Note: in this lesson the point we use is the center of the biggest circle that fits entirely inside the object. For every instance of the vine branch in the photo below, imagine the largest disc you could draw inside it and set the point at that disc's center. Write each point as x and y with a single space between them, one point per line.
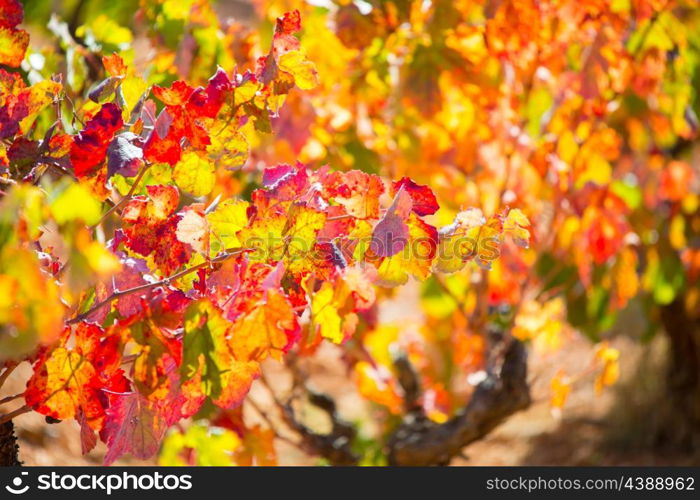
9 368
19 411
128 196
9 399
419 441
147 286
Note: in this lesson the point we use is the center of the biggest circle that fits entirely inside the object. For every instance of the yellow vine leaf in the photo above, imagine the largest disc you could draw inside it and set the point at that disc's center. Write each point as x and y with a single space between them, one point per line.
229 217
194 174
303 70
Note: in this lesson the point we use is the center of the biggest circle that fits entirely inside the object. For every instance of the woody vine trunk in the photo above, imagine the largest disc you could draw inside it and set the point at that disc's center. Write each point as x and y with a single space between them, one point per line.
8 445
418 441
680 422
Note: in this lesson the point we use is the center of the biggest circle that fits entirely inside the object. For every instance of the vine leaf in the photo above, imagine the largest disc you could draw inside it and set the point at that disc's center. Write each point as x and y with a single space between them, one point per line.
270 329
133 425
90 145
13 41
208 359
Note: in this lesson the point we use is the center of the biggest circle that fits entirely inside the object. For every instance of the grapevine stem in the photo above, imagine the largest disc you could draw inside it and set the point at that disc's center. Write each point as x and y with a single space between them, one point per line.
273 394
9 368
58 167
19 411
129 359
338 217
9 399
272 427
128 196
147 286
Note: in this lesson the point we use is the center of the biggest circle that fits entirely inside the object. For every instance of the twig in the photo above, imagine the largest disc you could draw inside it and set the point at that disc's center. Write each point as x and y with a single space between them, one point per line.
273 395
128 196
164 282
9 368
336 446
8 399
272 426
19 411
339 217
75 18
58 167
129 359
282 408
75 115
